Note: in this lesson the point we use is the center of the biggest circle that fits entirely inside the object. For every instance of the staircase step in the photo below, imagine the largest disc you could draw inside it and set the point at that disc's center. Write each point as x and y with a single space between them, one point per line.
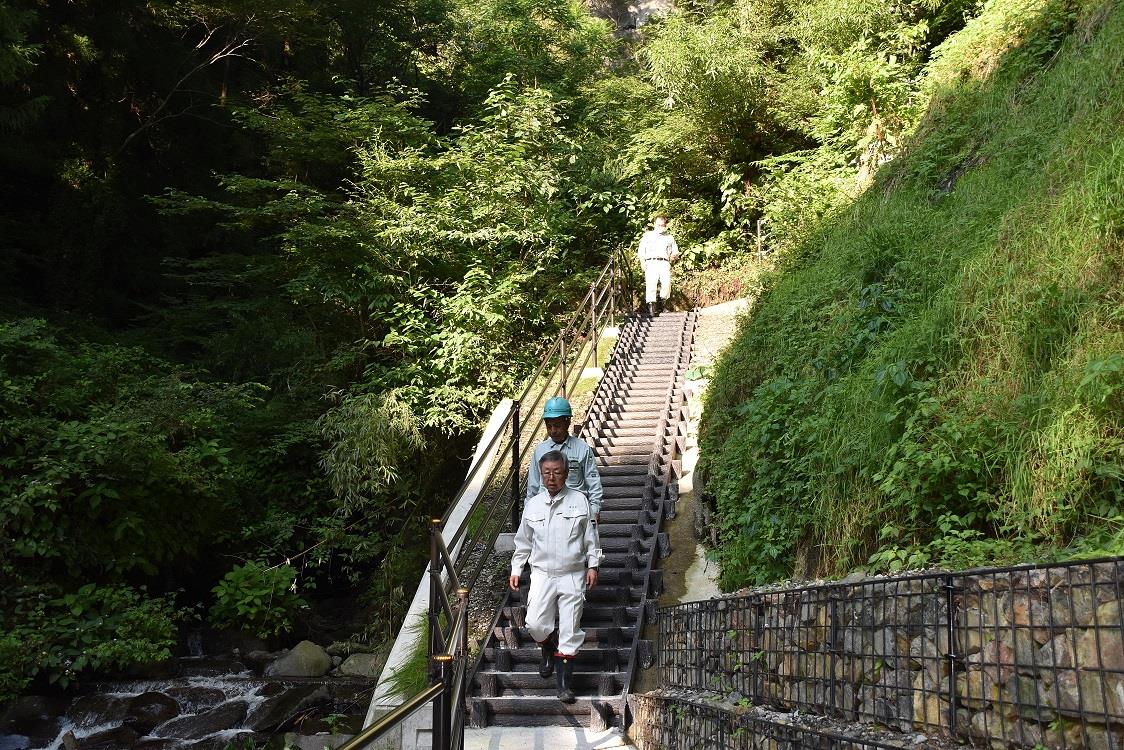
492 684
636 478
629 460
626 489
613 636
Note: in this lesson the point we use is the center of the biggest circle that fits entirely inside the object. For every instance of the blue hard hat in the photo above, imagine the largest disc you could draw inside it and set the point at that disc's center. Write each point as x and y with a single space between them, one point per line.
557 407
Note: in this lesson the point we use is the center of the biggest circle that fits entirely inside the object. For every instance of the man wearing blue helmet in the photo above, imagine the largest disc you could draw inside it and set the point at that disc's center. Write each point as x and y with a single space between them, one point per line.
582 465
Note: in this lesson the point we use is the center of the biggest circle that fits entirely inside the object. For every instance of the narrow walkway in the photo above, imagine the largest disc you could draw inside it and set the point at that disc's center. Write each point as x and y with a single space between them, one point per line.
545 738
635 425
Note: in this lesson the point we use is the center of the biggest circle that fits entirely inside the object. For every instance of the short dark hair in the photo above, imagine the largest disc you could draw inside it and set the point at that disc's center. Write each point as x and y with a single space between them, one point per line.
555 457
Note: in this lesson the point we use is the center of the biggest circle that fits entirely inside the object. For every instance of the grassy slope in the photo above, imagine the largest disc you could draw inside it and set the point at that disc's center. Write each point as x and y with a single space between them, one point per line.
939 379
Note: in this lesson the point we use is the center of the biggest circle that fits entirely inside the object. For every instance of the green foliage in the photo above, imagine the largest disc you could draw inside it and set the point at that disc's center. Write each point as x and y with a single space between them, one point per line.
64 636
413 675
17 57
935 379
112 462
257 599
550 44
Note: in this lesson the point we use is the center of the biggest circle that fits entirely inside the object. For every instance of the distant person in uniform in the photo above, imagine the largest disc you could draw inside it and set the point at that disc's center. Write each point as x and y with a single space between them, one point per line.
657 252
580 461
558 537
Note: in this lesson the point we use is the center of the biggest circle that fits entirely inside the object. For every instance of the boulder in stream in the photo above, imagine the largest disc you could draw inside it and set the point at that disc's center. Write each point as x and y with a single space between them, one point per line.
151 709
196 698
98 708
362 665
225 716
36 718
276 711
108 739
306 659
258 660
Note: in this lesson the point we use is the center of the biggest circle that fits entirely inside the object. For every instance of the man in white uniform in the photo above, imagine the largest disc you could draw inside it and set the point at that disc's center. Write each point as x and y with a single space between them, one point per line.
657 252
558 536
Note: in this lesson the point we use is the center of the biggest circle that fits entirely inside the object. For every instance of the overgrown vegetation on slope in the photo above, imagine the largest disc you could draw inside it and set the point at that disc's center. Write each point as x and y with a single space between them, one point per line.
936 374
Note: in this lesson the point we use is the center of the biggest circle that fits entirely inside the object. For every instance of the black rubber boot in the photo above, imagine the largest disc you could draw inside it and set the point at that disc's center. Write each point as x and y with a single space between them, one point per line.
565 679
546 666
659 305
653 311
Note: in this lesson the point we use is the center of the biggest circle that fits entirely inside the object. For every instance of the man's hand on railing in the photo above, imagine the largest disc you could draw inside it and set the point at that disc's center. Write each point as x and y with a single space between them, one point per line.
513 582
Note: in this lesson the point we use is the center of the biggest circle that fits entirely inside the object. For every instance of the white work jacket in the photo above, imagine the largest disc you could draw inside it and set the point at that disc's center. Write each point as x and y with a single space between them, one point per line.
657 246
556 535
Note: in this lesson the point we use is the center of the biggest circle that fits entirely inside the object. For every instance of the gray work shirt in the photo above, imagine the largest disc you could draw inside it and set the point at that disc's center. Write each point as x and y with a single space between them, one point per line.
582 465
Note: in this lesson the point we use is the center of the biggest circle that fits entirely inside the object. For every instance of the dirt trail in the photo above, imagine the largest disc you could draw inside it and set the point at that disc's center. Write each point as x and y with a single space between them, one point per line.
687 574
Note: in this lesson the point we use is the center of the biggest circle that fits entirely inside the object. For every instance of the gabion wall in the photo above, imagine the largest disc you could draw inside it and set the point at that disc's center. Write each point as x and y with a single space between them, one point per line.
1011 657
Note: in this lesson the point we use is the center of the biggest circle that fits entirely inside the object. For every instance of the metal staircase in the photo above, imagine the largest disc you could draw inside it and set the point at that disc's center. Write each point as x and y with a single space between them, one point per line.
636 426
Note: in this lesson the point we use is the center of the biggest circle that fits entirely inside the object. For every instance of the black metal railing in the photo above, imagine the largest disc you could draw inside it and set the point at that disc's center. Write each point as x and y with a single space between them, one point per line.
676 724
1026 656
459 556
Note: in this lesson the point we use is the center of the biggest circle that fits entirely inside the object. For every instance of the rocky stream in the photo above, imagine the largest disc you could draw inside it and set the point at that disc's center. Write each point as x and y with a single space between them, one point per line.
242 698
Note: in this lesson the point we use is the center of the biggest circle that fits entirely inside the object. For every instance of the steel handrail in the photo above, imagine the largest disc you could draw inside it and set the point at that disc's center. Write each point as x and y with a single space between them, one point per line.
393 718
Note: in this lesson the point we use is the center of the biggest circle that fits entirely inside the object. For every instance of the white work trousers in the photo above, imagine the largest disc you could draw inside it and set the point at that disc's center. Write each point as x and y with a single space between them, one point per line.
561 596
657 271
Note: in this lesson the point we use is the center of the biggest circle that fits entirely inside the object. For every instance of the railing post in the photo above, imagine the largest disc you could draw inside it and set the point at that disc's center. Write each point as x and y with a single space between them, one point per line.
462 650
756 647
516 510
562 364
613 289
434 619
462 594
951 656
441 704
593 321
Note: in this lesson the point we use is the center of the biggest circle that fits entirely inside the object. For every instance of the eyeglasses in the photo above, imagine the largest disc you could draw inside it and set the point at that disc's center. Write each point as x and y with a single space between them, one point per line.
556 472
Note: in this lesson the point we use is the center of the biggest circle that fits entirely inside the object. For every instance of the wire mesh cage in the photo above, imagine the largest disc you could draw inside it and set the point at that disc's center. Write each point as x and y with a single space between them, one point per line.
1016 657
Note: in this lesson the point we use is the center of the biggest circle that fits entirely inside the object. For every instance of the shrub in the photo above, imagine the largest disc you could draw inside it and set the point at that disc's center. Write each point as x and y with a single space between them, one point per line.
257 599
95 628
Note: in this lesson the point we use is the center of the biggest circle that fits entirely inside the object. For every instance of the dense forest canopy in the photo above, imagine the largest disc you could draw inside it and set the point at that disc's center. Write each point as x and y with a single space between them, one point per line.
266 266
